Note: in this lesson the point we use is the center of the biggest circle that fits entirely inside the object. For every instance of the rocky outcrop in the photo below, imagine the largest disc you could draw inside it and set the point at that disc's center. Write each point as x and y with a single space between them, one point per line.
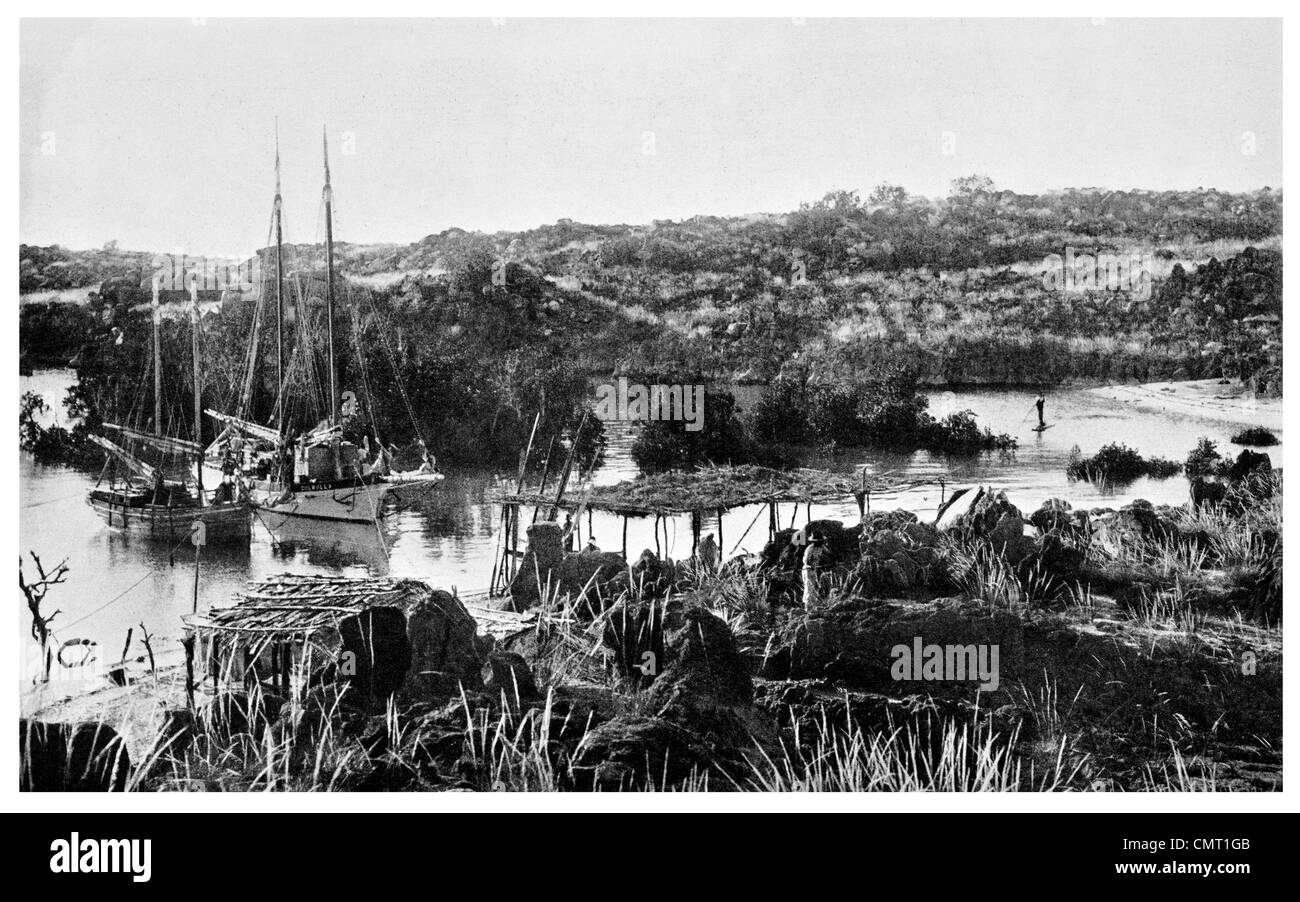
993 517
700 695
507 672
375 653
853 642
1056 515
583 577
62 757
446 652
896 559
1249 463
634 751
544 553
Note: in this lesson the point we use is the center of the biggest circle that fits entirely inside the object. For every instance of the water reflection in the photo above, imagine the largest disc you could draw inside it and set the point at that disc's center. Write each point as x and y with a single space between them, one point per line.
449 536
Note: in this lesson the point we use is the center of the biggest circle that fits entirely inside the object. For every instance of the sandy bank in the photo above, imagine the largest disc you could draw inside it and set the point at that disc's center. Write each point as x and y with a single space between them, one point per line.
1208 399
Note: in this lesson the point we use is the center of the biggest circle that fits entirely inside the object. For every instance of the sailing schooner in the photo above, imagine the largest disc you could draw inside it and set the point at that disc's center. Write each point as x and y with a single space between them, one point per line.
321 473
147 504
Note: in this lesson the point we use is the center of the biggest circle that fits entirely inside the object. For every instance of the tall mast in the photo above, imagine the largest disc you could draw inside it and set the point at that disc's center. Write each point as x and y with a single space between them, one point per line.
198 388
279 287
329 280
157 361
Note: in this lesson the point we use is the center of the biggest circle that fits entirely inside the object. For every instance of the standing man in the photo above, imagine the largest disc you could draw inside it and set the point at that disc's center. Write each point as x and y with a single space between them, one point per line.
1042 424
814 561
707 554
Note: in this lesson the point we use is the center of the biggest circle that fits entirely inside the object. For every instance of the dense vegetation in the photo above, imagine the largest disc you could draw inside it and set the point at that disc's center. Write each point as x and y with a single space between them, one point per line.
954 286
1254 435
1117 463
484 330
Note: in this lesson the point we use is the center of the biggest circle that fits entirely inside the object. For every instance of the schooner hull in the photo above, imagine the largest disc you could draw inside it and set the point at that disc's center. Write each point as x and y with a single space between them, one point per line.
170 523
354 504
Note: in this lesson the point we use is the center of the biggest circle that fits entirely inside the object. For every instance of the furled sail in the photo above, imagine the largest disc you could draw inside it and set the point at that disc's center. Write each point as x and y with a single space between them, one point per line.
161 442
135 464
247 427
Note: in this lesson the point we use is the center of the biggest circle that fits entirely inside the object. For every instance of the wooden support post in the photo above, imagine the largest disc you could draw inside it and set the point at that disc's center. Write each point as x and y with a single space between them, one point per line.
772 524
720 545
696 527
625 537
514 541
188 643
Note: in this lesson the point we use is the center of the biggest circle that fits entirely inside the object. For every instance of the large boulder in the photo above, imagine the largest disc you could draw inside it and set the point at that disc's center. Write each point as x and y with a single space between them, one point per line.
507 672
896 558
1249 463
585 577
633 751
704 667
632 632
63 757
1207 492
700 692
853 642
1057 556
986 512
651 576
544 553
445 650
375 653
877 520
1056 514
545 569
781 553
1140 519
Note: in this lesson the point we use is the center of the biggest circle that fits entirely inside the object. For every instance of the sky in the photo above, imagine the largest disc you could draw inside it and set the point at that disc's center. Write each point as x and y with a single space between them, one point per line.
160 134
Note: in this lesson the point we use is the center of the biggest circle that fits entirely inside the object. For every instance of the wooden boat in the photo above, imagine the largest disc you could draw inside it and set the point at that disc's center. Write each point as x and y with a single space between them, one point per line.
149 506
347 500
132 512
322 474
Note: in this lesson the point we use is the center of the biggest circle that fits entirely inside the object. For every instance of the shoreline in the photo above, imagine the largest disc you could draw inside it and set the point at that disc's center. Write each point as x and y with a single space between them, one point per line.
1207 399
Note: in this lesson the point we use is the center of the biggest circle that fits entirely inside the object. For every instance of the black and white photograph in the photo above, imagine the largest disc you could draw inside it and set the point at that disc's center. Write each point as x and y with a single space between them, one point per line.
775 405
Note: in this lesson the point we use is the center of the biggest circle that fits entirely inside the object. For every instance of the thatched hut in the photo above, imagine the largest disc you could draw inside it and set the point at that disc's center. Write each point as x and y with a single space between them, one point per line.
383 635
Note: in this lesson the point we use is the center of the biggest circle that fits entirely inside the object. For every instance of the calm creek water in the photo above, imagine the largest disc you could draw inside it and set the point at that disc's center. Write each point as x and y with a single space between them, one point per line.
449 537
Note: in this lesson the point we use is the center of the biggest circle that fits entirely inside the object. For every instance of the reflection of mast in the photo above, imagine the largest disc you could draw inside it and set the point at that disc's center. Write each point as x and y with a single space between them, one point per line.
329 281
279 287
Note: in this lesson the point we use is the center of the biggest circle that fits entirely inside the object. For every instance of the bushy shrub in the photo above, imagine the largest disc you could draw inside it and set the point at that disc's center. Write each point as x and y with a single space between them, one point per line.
884 410
1257 436
1204 460
1118 463
723 439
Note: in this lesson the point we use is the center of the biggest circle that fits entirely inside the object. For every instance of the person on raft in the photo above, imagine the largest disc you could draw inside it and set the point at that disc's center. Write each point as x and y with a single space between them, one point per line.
1042 424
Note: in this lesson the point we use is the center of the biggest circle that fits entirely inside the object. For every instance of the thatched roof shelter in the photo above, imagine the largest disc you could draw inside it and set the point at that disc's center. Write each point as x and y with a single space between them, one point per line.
295 606
713 489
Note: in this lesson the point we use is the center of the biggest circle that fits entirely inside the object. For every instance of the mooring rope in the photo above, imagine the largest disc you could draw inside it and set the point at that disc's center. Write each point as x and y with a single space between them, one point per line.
119 595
